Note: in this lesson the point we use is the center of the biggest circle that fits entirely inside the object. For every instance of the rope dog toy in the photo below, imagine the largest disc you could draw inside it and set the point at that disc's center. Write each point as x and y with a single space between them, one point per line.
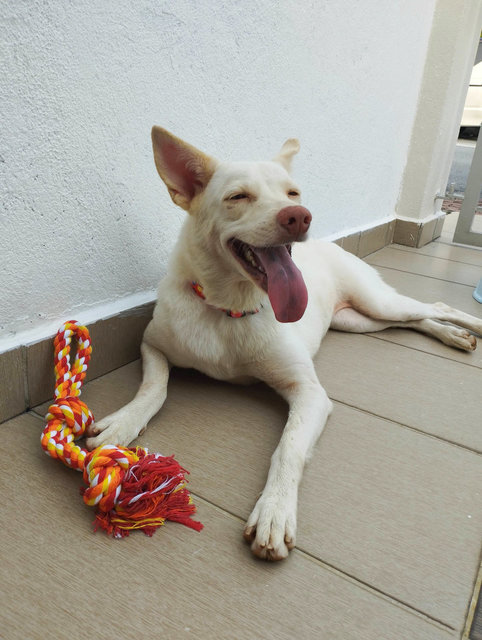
131 488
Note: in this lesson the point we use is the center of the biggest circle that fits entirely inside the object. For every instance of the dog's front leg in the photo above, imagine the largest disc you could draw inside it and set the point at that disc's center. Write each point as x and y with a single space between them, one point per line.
271 527
121 427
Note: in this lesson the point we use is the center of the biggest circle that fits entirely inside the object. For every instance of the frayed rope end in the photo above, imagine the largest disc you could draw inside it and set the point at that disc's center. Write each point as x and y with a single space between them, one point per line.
150 491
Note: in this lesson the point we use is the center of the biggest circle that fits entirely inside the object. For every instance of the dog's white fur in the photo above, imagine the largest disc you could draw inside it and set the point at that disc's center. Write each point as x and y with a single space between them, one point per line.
186 331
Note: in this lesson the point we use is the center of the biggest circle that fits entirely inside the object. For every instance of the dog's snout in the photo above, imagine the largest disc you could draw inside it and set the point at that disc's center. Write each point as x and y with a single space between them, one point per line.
295 220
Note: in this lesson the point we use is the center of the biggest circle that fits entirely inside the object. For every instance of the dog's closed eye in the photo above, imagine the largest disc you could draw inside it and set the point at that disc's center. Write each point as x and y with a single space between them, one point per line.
292 193
238 196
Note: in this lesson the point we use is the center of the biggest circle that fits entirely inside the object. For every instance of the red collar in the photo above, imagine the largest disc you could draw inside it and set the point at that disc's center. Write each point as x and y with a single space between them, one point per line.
198 290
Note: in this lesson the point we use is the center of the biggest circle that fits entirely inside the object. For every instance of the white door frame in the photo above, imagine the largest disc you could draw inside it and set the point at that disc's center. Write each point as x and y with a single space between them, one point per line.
464 234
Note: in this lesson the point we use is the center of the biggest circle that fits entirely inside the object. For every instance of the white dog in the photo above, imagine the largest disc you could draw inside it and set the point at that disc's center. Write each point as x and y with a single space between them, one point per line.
235 306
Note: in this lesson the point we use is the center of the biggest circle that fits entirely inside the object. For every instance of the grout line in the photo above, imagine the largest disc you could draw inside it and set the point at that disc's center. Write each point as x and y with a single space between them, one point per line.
379 592
25 377
429 255
452 443
474 601
423 275
216 506
21 413
420 250
429 353
448 240
34 414
339 572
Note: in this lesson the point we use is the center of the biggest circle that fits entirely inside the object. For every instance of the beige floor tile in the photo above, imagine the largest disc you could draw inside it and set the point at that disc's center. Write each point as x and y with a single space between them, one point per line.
437 396
383 503
397 510
60 580
432 290
446 251
431 266
427 344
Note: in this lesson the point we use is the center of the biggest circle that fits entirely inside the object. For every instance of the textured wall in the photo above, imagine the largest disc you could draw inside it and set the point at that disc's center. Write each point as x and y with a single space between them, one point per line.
85 222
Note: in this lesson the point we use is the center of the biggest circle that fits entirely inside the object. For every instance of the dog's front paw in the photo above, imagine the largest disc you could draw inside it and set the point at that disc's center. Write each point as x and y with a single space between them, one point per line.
271 527
120 428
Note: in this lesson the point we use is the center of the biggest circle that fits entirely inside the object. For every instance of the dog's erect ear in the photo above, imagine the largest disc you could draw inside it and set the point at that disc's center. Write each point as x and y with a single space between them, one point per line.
185 170
288 150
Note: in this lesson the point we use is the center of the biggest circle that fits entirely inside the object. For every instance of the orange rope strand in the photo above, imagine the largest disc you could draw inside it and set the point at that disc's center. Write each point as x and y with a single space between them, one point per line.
130 488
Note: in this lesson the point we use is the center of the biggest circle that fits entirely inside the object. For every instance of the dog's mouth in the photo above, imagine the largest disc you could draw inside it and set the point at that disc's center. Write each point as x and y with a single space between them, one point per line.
273 270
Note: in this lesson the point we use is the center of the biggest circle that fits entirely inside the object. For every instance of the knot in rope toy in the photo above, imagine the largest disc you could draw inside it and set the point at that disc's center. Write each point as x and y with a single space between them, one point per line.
131 488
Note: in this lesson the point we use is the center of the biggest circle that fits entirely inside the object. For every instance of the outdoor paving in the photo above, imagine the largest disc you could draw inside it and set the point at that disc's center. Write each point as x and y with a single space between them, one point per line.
390 525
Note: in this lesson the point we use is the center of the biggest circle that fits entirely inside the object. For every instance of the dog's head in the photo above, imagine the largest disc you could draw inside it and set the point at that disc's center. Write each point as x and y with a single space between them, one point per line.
248 212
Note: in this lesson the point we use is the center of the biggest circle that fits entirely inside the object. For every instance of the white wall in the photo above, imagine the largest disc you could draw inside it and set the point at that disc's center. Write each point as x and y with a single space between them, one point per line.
86 224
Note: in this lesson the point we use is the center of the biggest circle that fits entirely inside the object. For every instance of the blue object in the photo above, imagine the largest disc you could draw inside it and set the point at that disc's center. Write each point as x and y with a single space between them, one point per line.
478 292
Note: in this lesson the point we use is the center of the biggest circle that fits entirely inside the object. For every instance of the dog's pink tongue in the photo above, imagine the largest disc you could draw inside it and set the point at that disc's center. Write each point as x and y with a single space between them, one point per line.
286 287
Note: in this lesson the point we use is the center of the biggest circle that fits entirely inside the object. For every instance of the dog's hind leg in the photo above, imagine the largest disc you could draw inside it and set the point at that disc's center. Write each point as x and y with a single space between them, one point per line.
352 321
124 425
373 305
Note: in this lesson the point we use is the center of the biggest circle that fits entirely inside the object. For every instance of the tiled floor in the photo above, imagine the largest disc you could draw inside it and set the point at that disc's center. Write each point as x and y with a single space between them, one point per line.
390 525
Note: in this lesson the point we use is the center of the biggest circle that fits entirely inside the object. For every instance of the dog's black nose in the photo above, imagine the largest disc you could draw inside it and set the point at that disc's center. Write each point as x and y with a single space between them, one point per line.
295 220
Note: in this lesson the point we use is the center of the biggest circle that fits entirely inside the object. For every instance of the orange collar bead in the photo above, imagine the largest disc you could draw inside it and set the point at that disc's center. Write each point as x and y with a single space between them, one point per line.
199 291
